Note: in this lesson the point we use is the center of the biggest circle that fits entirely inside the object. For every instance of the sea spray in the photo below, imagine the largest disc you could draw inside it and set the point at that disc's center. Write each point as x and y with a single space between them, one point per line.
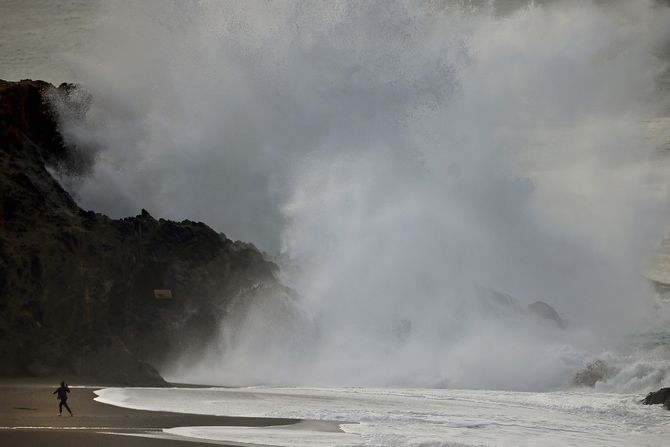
396 156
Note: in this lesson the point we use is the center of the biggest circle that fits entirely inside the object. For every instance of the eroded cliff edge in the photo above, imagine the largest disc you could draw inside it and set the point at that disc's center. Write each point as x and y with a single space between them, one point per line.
80 293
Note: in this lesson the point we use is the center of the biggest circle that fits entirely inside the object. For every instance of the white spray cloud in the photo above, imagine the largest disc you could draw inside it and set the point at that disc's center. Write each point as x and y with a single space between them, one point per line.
396 154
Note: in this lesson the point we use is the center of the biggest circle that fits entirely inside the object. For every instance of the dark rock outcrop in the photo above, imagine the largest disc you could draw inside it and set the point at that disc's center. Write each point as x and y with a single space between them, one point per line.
661 396
594 372
77 289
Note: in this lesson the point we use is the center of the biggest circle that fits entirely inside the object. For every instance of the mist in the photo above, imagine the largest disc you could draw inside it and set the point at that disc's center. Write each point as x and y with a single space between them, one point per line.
392 157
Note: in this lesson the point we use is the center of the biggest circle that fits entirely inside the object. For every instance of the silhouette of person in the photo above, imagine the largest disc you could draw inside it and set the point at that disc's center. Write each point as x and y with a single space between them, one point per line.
62 398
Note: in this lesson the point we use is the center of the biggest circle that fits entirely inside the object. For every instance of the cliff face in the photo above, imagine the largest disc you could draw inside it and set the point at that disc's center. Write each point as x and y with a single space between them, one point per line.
77 289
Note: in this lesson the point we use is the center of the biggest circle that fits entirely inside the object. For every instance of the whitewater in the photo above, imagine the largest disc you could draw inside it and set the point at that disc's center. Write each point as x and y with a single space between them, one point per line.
411 417
394 158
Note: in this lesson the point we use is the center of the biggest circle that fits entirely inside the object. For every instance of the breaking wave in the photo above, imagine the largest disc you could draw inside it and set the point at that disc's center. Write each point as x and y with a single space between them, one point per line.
395 158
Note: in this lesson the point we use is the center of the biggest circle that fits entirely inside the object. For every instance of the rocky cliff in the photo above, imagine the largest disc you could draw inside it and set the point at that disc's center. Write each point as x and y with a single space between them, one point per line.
85 295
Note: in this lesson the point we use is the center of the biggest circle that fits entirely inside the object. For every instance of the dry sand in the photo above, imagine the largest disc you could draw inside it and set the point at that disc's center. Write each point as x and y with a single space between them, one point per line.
29 417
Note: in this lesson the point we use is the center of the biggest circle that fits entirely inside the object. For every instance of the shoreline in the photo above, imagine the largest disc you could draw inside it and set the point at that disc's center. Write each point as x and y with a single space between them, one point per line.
29 417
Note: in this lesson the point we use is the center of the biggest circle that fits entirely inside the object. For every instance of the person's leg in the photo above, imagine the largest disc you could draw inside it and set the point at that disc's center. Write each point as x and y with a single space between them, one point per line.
68 408
60 407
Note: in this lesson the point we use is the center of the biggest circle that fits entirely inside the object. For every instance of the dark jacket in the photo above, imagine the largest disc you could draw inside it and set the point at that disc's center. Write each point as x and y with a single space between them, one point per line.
62 392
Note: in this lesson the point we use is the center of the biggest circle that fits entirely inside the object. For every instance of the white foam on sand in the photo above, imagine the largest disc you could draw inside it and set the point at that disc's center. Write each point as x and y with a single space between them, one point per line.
409 417
275 436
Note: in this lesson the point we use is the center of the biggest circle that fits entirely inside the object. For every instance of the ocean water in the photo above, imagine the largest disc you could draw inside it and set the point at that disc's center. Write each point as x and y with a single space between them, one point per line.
412 417
37 36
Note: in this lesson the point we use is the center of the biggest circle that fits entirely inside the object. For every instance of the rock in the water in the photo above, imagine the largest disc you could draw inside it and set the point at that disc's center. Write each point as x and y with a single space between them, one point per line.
595 371
544 310
501 304
498 303
661 396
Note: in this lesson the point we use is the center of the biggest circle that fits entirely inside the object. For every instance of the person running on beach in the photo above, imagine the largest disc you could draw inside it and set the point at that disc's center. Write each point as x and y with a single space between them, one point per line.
62 398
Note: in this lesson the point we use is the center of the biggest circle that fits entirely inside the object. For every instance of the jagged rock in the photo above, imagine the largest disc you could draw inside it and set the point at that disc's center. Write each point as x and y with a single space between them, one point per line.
500 304
76 287
497 303
544 310
595 371
661 396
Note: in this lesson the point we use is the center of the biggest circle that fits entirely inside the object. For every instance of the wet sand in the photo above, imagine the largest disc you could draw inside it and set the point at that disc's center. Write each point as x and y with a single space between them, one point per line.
29 417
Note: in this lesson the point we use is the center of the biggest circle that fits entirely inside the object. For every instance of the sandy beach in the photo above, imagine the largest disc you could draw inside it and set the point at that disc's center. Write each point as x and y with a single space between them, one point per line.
29 417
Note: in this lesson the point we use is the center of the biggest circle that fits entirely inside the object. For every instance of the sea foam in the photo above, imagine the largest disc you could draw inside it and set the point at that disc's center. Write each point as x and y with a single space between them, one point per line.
412 417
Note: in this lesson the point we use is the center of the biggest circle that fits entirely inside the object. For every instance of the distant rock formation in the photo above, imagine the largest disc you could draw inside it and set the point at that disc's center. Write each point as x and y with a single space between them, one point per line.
77 289
661 396
499 304
544 310
594 372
